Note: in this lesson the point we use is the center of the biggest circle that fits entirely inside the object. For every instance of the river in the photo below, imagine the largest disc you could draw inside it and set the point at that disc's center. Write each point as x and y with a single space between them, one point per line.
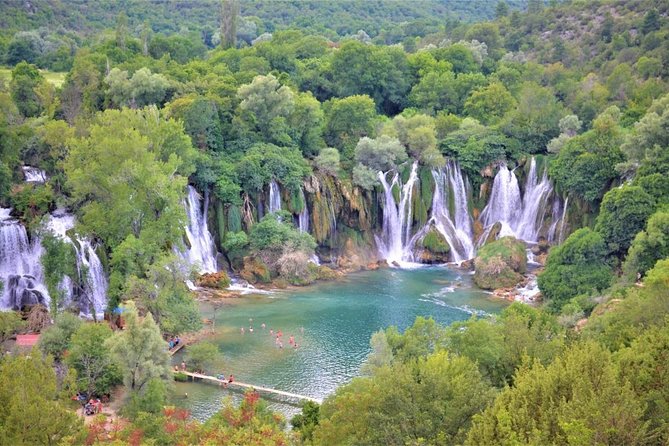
332 323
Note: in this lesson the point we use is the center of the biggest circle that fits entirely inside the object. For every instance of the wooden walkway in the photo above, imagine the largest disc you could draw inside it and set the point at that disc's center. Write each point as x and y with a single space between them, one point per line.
252 387
176 348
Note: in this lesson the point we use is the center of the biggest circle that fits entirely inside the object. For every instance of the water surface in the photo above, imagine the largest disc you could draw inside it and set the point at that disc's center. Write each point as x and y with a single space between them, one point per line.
332 323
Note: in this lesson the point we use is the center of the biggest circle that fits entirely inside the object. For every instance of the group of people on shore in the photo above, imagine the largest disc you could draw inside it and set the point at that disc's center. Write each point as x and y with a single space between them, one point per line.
278 336
173 342
92 406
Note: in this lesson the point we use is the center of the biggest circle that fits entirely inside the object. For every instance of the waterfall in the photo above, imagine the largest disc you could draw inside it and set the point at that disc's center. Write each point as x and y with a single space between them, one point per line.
534 204
274 197
456 227
201 251
520 218
395 240
563 220
33 174
20 268
505 204
303 218
89 267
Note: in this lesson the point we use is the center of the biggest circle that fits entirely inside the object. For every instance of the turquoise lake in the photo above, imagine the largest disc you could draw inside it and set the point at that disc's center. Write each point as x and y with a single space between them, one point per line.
332 323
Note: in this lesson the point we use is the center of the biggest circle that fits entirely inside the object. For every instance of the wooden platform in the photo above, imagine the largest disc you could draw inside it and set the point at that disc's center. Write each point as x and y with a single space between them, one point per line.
251 386
176 348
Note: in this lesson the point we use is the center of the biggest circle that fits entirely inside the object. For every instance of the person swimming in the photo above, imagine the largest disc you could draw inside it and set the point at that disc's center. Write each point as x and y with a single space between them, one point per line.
263 326
242 330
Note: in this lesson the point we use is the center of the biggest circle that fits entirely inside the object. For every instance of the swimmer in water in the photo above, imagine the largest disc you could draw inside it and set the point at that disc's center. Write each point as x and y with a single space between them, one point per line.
242 330
271 332
250 329
263 326
302 330
291 340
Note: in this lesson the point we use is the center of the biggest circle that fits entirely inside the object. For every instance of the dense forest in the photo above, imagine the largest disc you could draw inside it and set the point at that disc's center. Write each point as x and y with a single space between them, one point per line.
322 138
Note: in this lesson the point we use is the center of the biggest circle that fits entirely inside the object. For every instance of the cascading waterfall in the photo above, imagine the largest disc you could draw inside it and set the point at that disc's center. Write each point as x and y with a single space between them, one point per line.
201 251
303 217
563 220
20 268
520 218
274 197
395 240
456 227
89 267
505 203
33 174
534 204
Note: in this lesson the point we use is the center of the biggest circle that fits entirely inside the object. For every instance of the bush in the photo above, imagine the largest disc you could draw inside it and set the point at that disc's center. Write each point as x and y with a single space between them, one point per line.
578 266
56 339
327 161
648 246
202 356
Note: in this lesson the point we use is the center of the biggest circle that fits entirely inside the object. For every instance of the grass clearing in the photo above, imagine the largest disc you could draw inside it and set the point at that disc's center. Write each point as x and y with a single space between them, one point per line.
56 78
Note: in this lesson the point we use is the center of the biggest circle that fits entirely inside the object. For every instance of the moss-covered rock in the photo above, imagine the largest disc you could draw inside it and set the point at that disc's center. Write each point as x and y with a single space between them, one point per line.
435 247
254 270
500 264
218 280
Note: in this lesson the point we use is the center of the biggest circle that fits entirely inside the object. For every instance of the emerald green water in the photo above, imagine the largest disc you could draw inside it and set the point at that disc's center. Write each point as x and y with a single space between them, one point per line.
332 323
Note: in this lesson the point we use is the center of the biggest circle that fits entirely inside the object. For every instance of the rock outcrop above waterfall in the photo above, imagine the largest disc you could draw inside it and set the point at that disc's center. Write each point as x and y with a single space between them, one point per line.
500 264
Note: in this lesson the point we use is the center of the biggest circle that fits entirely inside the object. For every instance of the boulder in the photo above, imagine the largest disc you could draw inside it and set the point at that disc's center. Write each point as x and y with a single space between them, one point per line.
500 264
255 271
218 280
435 247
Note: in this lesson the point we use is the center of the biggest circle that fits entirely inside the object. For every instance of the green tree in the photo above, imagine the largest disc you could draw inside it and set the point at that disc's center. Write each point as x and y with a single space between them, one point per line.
648 246
58 261
347 120
89 355
10 324
202 357
501 10
577 399
56 339
33 408
121 30
265 106
578 266
535 120
380 154
651 21
26 79
139 350
305 423
430 400
623 213
328 161
489 104
229 19
586 164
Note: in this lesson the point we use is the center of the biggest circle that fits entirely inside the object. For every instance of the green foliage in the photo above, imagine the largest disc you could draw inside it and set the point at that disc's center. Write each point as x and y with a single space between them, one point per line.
623 213
347 120
489 104
578 266
202 356
586 164
143 88
625 320
10 324
327 161
89 355
56 339
577 399
26 79
381 154
266 162
535 120
164 294
275 232
435 242
32 202
139 350
58 261
440 393
33 408
150 400
305 423
648 246
265 105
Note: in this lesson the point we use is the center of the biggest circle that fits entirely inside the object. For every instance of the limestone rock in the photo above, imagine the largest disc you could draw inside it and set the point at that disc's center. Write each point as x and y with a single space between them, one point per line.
500 264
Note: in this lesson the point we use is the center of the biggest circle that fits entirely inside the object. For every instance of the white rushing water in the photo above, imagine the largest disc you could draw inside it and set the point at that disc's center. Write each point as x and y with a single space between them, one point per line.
303 217
20 268
93 292
34 175
201 251
520 218
274 197
455 225
395 242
